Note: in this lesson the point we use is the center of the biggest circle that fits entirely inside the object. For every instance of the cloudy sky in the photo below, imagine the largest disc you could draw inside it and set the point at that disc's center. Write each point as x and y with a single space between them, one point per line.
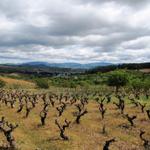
74 31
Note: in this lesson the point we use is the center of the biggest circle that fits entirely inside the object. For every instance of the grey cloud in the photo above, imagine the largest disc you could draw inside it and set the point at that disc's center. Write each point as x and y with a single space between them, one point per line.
131 3
75 31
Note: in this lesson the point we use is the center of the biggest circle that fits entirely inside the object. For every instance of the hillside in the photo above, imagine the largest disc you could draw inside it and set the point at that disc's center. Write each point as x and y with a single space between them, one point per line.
17 84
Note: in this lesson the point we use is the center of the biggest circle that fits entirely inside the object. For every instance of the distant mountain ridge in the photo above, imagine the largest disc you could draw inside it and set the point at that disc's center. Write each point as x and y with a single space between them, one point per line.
43 69
66 65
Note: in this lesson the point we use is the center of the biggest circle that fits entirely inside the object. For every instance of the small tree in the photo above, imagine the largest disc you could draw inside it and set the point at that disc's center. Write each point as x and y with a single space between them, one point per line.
117 79
137 86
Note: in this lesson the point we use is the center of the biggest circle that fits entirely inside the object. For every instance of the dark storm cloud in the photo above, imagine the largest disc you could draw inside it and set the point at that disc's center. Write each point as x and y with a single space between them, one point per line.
79 30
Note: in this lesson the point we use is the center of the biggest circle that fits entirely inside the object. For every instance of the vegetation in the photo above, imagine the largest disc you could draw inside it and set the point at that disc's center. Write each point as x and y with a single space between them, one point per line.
42 83
76 112
117 79
2 84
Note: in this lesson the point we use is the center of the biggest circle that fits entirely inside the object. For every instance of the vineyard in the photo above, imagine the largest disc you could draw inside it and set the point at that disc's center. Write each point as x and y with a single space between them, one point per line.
115 116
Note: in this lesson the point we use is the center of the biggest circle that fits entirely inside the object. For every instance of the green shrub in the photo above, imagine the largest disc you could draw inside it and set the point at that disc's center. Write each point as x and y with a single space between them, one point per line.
137 84
2 83
42 83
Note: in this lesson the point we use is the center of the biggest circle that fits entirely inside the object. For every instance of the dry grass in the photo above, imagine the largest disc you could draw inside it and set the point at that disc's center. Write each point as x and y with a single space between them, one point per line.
16 84
145 70
86 136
